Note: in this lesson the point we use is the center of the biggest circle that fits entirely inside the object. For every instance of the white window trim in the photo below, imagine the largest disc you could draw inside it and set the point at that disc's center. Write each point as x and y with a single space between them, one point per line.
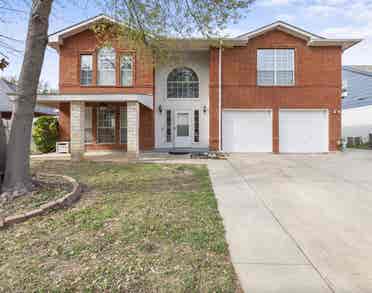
127 70
187 98
275 78
111 70
91 82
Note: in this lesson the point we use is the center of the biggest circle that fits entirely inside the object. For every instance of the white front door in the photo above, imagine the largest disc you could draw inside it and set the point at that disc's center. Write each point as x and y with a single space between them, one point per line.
182 129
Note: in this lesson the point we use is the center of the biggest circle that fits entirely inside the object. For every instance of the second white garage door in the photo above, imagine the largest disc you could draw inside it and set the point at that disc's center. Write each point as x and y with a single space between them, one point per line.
303 131
247 131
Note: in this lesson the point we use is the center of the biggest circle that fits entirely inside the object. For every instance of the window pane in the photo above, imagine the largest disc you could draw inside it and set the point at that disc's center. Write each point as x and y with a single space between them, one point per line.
106 66
183 124
126 67
265 60
284 59
182 83
106 126
182 130
284 77
275 67
88 125
169 125
123 125
265 77
86 69
196 125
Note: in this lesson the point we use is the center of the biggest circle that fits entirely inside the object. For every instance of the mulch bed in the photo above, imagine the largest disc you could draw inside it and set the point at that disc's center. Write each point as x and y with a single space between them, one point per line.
45 189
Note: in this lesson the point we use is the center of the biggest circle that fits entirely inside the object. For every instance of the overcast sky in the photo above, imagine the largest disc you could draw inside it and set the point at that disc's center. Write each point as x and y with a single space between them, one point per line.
329 18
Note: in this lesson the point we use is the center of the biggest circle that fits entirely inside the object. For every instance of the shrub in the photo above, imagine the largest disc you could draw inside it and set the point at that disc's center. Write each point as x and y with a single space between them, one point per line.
45 133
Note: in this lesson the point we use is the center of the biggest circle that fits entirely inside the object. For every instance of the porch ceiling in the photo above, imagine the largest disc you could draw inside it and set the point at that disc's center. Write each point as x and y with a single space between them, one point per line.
146 100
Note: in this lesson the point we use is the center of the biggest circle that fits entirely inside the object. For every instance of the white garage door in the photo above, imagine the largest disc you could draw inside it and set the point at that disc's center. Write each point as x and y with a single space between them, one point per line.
247 131
303 131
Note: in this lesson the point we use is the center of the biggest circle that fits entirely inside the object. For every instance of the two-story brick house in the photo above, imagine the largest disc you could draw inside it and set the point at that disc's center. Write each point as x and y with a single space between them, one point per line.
276 89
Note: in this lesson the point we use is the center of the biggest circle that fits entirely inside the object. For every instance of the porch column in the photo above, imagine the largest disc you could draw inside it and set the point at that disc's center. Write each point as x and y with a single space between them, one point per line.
133 128
77 144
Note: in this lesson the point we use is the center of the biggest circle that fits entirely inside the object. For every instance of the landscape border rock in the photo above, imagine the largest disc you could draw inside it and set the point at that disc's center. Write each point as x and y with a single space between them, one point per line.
62 202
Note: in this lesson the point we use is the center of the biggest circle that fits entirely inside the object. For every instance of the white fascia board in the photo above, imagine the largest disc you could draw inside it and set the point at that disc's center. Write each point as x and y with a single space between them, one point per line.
281 26
343 43
146 100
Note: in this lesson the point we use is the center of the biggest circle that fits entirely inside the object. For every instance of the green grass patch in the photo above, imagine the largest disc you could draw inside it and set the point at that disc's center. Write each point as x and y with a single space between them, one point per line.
137 228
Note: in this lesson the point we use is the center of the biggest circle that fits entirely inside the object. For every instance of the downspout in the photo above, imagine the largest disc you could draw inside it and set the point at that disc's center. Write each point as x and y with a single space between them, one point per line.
219 96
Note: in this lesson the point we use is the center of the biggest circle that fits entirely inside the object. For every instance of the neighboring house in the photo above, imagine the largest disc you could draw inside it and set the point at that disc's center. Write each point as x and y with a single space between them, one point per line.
275 89
357 101
7 91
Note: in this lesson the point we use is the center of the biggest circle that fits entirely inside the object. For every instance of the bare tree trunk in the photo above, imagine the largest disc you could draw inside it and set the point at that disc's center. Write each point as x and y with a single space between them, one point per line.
17 173
2 150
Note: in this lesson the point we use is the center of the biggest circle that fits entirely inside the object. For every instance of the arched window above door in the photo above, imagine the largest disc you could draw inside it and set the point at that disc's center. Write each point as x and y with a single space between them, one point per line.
182 83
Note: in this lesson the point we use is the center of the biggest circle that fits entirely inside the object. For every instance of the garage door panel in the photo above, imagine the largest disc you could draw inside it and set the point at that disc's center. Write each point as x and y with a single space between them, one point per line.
247 131
303 131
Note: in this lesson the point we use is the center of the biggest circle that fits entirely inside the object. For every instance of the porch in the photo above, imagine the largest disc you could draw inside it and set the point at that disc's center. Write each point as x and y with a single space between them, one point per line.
104 123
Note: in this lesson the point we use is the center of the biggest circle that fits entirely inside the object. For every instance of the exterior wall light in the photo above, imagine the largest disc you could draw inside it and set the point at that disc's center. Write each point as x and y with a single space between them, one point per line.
160 109
205 109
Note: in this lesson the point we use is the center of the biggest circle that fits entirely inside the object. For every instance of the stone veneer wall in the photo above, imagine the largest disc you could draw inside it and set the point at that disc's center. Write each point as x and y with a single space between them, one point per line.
133 128
77 130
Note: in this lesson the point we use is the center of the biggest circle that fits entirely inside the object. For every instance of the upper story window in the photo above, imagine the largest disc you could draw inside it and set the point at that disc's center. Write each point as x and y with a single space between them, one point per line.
182 83
126 70
86 69
106 66
275 67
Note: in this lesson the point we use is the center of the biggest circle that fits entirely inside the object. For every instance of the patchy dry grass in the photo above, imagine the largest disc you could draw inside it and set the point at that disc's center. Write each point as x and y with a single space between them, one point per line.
46 189
137 228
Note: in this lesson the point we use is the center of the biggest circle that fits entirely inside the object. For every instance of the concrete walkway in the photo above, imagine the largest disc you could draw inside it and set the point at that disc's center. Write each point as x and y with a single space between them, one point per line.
265 255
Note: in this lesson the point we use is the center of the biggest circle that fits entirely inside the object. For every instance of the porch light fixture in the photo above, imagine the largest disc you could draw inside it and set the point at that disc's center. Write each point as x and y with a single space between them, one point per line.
160 109
205 109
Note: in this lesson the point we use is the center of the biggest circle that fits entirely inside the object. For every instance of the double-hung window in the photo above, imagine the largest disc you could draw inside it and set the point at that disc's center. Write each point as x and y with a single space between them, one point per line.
106 66
275 67
126 70
86 69
105 125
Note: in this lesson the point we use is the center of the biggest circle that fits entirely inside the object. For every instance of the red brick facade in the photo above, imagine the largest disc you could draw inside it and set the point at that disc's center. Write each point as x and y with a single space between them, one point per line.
69 83
317 83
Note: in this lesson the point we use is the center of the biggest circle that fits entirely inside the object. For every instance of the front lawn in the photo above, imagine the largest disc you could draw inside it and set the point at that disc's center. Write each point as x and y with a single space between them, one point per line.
137 228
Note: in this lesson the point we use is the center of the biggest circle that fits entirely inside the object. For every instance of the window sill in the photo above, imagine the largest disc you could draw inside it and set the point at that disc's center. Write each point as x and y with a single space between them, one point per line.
106 86
276 86
183 99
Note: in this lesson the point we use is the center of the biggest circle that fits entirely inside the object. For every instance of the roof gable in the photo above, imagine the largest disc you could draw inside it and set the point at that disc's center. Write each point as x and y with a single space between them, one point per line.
56 39
282 26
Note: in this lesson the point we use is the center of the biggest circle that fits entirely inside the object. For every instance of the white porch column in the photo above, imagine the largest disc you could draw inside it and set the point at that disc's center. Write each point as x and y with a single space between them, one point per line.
133 128
77 130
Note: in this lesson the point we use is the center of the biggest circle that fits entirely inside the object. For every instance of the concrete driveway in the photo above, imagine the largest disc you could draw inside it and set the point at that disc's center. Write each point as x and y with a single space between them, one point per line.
298 223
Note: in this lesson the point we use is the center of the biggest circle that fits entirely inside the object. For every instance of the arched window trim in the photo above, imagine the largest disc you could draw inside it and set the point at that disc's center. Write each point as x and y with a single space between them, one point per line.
106 66
180 88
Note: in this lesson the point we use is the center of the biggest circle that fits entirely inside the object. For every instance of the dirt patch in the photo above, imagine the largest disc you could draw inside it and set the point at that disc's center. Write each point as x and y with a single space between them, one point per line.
45 189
